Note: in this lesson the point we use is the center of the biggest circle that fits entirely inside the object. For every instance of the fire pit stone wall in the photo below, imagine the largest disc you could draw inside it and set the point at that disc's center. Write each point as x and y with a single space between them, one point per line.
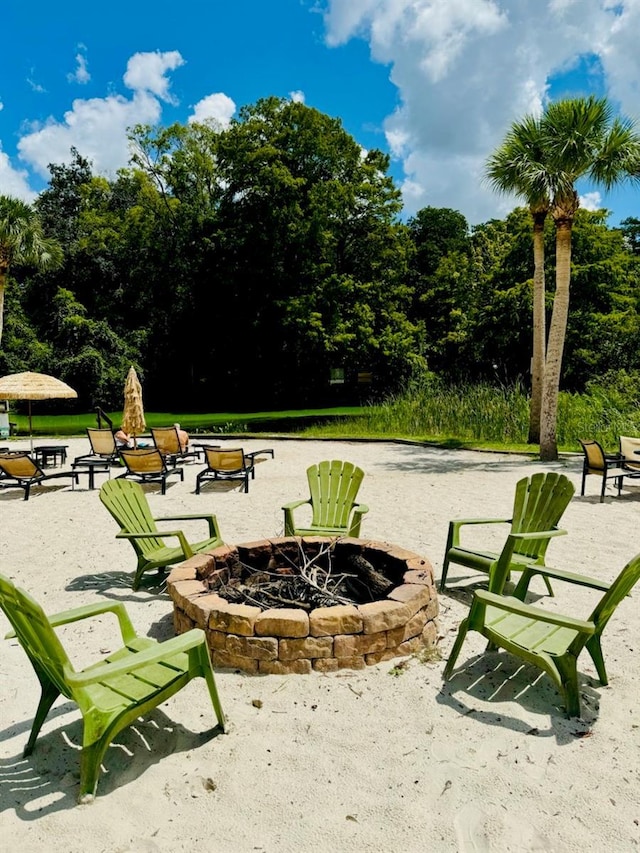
293 640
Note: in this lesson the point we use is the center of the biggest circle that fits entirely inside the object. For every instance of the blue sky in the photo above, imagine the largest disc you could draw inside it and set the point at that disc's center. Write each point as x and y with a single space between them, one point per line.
436 83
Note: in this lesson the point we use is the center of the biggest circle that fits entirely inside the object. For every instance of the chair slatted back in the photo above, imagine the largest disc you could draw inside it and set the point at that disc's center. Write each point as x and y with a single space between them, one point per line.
127 503
333 487
620 588
35 634
540 501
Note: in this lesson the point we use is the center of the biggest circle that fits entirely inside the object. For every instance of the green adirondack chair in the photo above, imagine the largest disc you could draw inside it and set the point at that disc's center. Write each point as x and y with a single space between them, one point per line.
549 640
333 488
113 692
127 503
539 503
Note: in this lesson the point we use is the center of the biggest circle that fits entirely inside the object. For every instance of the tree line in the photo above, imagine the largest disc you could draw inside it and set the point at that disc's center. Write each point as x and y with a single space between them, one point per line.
266 266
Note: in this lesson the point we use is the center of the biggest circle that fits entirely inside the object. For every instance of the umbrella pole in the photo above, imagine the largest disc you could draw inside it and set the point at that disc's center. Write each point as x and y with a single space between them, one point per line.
30 428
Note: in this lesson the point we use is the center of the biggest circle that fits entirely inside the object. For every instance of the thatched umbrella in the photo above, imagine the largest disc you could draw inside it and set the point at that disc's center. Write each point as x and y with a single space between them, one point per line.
34 386
133 413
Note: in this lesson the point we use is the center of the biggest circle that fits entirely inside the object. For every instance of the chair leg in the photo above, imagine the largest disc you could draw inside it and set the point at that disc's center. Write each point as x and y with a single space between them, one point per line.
211 684
604 483
548 585
584 477
48 697
568 673
445 569
462 633
90 760
595 650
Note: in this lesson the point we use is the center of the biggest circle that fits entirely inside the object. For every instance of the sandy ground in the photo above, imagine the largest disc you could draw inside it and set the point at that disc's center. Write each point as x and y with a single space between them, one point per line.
374 760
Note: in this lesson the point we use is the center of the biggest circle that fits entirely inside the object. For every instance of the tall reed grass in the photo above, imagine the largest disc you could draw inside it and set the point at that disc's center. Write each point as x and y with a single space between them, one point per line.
499 415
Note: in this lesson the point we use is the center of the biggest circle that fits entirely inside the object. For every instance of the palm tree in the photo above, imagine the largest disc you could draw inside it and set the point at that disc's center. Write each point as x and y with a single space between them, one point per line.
22 241
581 138
518 167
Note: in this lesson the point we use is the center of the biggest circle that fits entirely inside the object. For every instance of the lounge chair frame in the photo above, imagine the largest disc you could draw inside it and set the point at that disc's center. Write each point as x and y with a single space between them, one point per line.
148 465
606 466
19 469
226 464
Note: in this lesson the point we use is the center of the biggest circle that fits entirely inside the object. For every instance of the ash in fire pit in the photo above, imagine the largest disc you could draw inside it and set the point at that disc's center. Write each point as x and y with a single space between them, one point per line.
293 605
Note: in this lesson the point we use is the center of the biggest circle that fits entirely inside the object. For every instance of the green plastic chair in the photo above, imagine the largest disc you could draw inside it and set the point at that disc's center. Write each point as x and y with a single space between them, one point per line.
333 487
127 503
113 692
549 640
539 503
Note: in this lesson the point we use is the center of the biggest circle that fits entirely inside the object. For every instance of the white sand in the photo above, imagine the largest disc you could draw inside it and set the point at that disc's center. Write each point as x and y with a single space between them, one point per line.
353 761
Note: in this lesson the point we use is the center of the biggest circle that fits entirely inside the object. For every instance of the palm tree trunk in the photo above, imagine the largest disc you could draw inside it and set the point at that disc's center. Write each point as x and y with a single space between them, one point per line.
3 283
539 328
555 345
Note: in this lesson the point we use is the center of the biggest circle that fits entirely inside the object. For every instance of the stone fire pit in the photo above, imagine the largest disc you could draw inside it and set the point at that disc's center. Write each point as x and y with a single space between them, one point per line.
264 640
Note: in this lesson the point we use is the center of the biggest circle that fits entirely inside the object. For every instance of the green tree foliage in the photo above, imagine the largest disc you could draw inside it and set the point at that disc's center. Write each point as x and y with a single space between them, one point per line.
22 243
300 261
236 267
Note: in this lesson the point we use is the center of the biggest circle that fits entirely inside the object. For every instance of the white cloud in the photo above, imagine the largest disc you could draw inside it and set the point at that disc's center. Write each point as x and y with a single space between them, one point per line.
218 107
81 74
466 69
97 127
36 87
297 97
14 182
591 201
148 72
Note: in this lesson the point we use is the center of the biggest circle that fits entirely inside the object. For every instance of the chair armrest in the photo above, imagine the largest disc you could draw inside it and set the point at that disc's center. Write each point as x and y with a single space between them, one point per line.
360 509
160 534
65 617
458 522
289 524
513 605
295 504
453 538
154 654
558 574
540 534
212 521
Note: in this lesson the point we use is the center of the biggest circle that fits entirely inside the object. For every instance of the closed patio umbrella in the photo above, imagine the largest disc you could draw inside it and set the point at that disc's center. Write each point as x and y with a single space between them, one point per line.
34 386
133 421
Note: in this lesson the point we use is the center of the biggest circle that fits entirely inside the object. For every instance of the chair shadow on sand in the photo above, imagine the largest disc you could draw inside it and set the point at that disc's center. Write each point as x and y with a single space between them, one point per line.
117 585
501 678
47 781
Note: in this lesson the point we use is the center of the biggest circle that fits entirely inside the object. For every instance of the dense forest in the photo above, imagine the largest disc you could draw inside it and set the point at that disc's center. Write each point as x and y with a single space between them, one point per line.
266 265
